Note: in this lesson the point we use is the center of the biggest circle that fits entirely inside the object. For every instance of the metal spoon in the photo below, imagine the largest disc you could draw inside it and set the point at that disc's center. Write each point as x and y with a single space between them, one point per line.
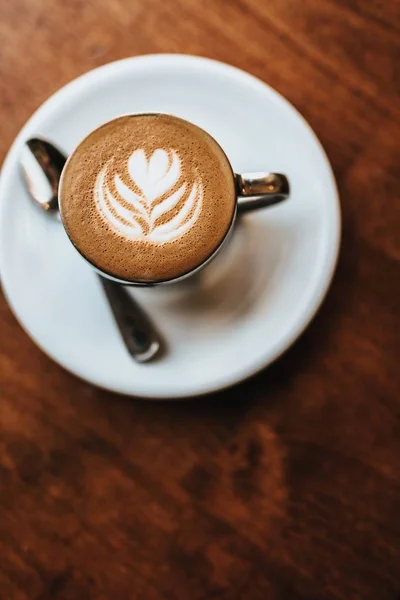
42 164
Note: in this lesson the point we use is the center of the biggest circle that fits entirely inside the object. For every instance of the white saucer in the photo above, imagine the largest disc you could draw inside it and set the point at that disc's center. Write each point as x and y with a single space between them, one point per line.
244 309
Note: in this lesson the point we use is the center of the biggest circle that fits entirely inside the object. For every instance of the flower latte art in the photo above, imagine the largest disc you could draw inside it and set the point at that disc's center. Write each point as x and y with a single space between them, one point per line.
147 198
145 208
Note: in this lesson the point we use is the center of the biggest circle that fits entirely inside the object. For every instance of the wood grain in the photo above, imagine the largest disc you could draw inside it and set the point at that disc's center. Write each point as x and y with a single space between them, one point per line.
286 487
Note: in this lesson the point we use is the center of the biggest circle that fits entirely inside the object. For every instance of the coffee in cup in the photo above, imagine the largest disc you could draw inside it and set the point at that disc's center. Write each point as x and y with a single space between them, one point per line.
147 198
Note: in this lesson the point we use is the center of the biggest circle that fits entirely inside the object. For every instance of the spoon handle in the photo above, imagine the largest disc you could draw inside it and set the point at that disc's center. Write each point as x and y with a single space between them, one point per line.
139 334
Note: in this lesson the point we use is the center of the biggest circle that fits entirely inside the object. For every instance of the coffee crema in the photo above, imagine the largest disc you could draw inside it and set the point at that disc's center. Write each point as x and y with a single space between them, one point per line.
147 197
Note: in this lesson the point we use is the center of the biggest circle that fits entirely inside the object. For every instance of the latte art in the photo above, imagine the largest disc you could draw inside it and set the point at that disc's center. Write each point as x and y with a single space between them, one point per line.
147 198
157 204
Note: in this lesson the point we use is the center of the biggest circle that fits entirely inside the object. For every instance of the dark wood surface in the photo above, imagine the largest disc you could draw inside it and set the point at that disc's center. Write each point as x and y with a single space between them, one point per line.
286 487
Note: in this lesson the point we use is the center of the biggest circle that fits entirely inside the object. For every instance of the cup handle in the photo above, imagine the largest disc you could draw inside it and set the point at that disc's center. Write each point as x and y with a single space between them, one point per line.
257 190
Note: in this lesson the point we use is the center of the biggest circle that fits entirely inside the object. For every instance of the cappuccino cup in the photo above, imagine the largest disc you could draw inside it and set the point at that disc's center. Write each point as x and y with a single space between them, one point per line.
150 199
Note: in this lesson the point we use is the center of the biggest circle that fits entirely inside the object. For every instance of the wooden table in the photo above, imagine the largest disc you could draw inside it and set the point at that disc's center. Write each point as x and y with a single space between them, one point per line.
286 487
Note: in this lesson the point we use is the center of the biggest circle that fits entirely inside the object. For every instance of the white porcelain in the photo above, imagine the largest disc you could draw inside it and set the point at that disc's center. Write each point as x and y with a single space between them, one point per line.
240 313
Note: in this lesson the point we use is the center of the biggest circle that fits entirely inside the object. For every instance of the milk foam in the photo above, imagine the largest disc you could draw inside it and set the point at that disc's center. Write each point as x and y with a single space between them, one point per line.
159 204
147 198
